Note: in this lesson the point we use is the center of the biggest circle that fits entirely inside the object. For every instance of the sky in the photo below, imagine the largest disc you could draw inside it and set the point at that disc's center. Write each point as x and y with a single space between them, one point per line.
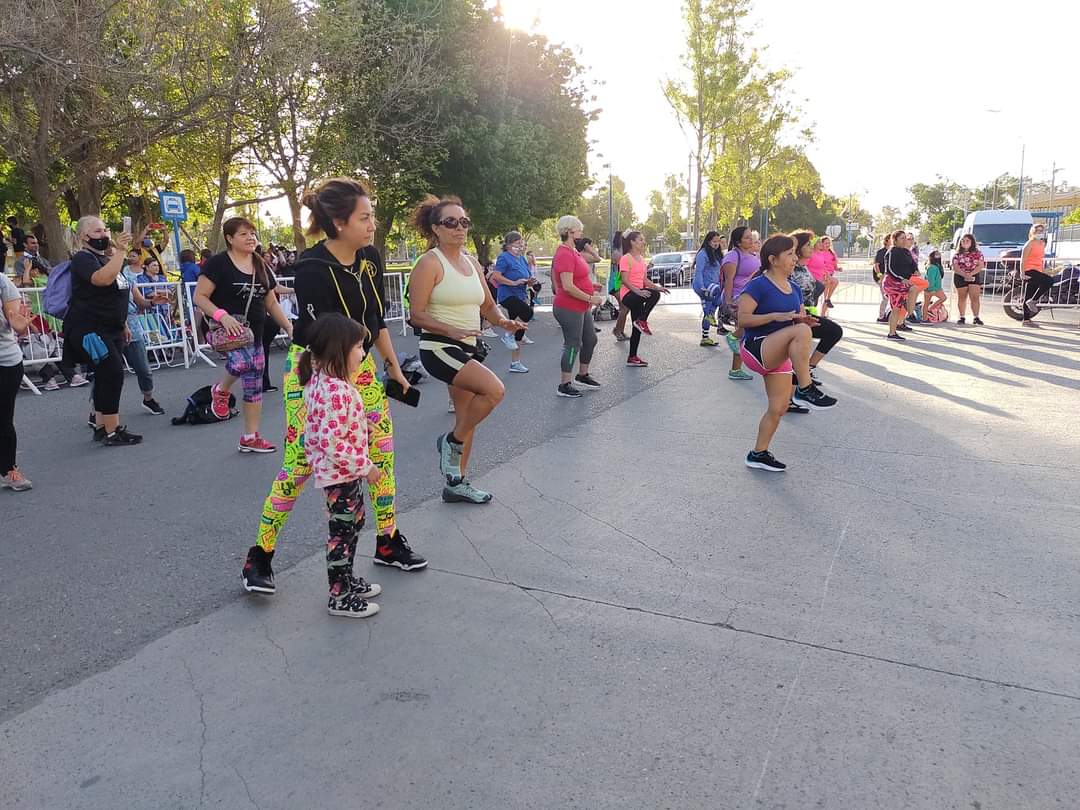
958 92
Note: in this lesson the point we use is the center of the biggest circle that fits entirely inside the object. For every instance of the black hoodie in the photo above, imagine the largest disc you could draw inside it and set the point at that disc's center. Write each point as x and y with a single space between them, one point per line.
361 290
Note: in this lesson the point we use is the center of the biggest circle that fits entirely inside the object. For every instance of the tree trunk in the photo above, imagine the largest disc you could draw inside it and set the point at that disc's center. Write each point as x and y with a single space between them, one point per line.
89 194
45 200
213 239
385 214
697 194
294 209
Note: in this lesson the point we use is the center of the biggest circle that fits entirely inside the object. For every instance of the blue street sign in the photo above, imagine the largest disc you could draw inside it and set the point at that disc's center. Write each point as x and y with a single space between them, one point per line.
173 206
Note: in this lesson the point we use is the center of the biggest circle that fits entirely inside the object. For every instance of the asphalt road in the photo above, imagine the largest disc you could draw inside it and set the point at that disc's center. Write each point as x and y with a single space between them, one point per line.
115 546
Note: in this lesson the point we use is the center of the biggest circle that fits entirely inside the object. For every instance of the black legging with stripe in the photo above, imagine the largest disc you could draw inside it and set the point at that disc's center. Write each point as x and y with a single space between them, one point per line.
828 333
639 311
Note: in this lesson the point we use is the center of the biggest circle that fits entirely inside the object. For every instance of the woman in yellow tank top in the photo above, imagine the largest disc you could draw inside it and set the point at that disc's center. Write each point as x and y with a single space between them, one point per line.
1037 280
447 296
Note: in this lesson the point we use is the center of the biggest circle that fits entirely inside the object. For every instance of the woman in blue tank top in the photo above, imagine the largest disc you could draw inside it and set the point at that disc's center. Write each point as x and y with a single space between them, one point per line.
777 341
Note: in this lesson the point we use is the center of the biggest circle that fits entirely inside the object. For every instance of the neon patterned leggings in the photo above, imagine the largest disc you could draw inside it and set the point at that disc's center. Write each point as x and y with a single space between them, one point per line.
295 470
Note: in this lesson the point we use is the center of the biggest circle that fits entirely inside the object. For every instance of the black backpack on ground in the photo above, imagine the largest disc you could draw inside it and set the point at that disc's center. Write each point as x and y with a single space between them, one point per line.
198 410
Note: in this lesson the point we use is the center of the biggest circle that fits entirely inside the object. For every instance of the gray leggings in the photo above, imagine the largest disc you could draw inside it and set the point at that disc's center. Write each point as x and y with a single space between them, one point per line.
579 336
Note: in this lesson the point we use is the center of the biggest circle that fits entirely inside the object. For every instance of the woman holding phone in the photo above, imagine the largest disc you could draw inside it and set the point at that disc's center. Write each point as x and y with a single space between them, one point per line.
344 274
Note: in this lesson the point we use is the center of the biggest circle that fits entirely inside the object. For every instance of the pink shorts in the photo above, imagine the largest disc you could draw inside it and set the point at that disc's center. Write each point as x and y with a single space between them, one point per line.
750 352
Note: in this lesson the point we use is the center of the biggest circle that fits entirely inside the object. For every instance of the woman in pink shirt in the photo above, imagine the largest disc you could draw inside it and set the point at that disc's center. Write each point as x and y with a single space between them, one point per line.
822 265
575 295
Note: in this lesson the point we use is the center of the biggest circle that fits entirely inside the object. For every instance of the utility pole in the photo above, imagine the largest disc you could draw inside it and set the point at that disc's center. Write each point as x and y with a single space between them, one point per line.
610 208
1020 183
1053 183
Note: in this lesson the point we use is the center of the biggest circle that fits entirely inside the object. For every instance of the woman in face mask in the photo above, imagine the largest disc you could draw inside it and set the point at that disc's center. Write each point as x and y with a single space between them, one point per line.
95 328
511 278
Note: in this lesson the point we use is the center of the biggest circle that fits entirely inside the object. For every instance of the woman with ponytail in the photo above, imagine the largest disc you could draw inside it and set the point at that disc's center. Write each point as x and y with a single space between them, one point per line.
344 274
447 297
236 288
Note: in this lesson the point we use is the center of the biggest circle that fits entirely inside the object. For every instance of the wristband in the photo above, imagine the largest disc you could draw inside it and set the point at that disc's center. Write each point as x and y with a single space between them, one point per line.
219 313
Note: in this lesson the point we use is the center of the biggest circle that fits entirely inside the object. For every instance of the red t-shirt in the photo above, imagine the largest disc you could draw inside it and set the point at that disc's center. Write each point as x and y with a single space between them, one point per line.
568 260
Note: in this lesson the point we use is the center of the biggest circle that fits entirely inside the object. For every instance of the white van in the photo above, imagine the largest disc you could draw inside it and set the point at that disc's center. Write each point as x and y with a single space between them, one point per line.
995 233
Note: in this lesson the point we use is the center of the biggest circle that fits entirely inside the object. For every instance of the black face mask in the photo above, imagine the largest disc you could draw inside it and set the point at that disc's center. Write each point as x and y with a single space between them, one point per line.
99 243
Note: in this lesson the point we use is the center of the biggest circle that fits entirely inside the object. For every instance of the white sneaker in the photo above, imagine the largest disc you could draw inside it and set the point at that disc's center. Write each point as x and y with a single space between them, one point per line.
78 380
450 408
488 332
518 367
509 341
52 385
528 341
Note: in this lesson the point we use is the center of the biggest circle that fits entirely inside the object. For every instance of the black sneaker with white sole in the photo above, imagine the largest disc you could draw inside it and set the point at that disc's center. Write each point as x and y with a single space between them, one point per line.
587 380
364 589
794 407
895 336
99 434
394 551
121 438
258 573
351 605
567 390
152 406
813 397
764 461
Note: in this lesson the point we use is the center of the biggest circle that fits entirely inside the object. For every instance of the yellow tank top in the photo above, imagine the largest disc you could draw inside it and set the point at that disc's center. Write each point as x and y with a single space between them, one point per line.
456 300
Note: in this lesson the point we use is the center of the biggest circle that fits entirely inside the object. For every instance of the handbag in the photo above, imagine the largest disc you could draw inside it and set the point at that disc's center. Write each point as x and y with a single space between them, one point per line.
219 337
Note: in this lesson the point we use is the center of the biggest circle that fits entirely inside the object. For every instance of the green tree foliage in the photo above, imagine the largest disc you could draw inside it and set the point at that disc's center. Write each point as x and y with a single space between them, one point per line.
89 83
592 210
517 152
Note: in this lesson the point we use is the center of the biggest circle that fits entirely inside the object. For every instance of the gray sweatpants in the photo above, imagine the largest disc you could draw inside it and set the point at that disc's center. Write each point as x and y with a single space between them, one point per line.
579 336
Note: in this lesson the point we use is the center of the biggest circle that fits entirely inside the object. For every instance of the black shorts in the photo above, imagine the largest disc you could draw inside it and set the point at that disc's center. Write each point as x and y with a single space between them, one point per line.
959 282
443 358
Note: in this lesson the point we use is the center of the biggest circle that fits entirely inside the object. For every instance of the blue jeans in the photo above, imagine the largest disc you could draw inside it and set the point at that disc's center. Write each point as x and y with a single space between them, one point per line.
135 352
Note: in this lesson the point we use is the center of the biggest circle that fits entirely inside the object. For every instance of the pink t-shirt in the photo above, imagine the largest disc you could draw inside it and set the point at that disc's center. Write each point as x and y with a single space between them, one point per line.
821 263
633 270
567 260
336 433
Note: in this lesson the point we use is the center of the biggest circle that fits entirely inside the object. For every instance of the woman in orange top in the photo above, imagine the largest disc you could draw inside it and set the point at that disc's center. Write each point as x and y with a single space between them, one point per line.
1037 279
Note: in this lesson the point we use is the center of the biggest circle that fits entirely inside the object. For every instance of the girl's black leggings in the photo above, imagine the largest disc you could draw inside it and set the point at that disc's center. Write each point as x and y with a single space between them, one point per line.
639 311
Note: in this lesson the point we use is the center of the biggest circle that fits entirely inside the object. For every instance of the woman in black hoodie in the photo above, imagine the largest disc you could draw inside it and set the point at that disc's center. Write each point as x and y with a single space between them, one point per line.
342 274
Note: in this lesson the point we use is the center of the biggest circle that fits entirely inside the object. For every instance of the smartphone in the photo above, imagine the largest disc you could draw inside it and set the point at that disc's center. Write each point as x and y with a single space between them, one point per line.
127 225
395 391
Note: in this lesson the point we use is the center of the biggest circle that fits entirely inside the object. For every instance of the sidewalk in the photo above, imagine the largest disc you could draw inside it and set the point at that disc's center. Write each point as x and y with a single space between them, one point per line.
639 621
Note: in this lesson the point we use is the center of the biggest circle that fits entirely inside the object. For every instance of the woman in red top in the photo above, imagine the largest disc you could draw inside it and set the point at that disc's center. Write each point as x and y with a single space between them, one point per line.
575 296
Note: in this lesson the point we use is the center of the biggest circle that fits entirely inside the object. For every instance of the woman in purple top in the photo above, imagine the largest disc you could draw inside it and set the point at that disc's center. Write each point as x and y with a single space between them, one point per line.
737 268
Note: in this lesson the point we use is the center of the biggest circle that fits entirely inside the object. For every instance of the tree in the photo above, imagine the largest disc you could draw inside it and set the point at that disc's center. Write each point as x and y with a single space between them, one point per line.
394 77
80 98
708 100
592 210
889 219
517 153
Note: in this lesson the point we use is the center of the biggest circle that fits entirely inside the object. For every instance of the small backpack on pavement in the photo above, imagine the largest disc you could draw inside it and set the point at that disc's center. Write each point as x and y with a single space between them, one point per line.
199 412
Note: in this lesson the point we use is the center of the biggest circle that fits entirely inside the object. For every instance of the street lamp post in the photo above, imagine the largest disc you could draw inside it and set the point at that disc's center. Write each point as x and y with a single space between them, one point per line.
610 207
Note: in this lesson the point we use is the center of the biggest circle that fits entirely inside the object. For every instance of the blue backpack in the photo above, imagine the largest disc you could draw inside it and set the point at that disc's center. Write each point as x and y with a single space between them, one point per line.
57 294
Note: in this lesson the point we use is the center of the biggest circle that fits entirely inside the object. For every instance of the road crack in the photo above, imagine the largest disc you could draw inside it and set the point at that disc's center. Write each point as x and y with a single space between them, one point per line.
202 724
528 534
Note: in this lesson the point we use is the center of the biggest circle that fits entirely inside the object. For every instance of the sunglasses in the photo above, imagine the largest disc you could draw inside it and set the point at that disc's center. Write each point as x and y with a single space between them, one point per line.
454 222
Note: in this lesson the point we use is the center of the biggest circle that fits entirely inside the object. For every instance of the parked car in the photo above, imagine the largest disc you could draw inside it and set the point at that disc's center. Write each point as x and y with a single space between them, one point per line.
669 269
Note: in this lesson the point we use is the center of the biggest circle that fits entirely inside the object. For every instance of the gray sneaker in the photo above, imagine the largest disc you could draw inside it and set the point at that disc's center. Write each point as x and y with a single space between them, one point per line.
464 492
14 480
449 456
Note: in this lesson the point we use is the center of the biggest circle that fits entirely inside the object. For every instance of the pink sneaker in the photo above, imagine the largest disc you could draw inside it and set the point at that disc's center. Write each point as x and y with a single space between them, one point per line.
636 362
220 403
256 444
